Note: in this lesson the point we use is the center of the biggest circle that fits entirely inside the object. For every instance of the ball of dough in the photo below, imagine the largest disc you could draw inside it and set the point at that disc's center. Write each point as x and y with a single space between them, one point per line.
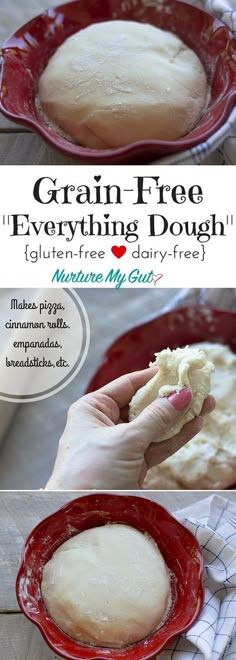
182 367
208 461
117 82
108 586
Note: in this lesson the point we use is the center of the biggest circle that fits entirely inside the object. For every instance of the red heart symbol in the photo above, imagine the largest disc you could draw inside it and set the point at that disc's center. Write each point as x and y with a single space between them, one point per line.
118 250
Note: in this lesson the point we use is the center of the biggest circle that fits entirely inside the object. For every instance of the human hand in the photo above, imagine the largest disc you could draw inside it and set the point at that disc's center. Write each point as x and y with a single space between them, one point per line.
99 449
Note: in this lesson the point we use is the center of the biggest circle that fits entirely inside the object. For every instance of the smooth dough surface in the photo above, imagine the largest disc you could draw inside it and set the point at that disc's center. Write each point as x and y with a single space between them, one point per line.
117 82
182 367
108 586
208 461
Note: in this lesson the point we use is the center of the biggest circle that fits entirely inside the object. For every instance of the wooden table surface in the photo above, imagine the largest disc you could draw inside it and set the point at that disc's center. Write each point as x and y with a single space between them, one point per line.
19 513
19 146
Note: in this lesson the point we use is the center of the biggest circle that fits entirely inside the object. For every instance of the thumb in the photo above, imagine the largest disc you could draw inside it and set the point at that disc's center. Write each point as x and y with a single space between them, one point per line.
163 413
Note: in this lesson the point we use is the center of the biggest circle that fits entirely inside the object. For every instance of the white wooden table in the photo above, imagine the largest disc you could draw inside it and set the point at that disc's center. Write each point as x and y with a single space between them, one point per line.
19 146
19 513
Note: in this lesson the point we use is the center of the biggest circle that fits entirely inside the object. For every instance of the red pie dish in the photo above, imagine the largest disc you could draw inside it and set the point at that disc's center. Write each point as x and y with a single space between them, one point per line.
178 546
135 348
26 53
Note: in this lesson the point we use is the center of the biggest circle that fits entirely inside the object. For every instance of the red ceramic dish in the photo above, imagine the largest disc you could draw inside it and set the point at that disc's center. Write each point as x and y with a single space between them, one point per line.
178 546
136 347
26 53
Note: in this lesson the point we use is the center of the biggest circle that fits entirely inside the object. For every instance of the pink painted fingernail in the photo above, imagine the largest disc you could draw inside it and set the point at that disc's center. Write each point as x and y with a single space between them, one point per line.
180 400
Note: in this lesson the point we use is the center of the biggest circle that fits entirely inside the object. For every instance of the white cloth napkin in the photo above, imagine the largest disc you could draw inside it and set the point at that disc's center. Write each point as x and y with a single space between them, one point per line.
213 637
220 149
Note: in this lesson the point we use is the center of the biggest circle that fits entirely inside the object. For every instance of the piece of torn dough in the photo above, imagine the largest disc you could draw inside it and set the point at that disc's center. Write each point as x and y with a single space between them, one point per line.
182 367
208 461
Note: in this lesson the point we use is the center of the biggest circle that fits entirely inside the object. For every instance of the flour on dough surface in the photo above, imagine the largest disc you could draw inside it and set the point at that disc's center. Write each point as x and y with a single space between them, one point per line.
114 83
108 586
182 367
208 461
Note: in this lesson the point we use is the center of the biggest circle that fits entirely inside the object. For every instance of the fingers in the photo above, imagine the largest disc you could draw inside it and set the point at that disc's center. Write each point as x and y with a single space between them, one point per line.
124 414
123 389
112 400
160 416
156 453
208 406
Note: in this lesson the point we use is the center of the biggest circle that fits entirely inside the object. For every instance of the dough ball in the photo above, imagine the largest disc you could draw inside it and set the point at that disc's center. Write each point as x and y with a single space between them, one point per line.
108 586
208 461
183 367
117 82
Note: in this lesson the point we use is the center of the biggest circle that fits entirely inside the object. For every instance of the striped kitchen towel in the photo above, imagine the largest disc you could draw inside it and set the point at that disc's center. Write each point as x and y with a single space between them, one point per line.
220 148
213 637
